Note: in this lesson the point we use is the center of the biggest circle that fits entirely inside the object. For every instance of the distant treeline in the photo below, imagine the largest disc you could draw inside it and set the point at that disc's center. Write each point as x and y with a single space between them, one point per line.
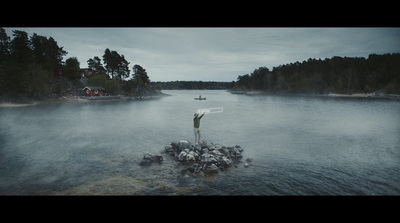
194 85
337 74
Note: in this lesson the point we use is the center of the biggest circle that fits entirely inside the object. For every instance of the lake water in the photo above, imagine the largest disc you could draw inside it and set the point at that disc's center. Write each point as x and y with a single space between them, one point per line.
298 146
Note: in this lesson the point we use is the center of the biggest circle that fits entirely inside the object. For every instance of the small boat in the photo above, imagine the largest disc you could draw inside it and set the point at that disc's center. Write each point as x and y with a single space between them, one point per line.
200 98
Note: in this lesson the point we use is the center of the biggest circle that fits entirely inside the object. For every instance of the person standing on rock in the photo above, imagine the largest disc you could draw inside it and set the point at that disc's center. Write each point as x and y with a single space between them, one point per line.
196 121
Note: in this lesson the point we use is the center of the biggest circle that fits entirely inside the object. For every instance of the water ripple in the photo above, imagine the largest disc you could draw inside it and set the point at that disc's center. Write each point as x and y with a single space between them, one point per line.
299 146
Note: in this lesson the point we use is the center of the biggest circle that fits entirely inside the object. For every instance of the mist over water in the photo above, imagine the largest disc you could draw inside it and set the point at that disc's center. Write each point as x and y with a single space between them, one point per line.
299 146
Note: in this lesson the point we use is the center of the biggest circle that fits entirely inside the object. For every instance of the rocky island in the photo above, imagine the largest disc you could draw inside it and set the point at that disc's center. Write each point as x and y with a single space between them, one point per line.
205 158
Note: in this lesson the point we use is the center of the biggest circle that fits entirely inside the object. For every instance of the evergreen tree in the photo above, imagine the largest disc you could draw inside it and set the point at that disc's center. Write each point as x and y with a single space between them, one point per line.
54 54
109 62
46 52
4 55
122 68
4 46
95 65
39 49
140 76
71 69
115 64
20 50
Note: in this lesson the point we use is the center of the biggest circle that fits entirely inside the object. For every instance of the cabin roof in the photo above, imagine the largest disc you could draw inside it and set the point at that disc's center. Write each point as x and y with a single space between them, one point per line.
94 88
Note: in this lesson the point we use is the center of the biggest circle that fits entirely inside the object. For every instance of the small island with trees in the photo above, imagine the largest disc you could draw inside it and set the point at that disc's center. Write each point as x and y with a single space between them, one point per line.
32 68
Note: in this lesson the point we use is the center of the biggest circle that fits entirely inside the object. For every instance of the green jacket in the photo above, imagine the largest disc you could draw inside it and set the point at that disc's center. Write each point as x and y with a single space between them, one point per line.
196 121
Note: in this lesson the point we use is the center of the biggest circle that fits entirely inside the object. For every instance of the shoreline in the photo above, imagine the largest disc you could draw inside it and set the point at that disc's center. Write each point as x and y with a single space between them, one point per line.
79 99
70 98
372 95
10 104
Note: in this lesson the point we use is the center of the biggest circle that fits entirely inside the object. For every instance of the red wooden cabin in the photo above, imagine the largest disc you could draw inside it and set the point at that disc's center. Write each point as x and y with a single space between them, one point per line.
93 91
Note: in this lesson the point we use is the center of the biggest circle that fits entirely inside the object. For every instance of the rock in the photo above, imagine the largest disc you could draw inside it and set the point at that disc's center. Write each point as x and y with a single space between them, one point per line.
198 173
194 154
249 160
239 148
208 158
168 148
216 153
145 162
187 155
196 170
182 155
194 167
158 158
211 168
235 152
205 157
203 144
190 157
149 158
225 161
183 144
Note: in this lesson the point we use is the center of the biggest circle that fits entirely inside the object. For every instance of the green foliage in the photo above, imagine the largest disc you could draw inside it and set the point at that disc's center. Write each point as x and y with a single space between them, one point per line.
115 64
46 52
140 76
36 81
95 65
4 45
112 86
194 85
71 69
392 88
20 50
26 64
30 81
337 74
129 87
157 87
98 80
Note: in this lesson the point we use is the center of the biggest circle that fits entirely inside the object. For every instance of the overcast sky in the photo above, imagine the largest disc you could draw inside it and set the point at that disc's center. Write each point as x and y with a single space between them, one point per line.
218 54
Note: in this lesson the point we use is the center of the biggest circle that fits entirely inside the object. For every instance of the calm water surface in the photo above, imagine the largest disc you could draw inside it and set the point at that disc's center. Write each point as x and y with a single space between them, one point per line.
298 146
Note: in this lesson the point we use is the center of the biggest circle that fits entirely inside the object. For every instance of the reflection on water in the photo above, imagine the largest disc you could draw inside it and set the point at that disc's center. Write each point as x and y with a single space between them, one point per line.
299 146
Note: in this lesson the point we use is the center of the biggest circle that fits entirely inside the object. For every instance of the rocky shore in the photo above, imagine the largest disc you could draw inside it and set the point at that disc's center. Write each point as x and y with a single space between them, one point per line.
205 158
75 98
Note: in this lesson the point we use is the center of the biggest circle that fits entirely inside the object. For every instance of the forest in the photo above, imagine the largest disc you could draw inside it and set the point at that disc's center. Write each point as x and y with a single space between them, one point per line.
343 75
195 85
33 68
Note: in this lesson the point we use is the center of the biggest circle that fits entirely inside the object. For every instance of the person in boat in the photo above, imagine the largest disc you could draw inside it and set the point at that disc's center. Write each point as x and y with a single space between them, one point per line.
199 98
196 121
